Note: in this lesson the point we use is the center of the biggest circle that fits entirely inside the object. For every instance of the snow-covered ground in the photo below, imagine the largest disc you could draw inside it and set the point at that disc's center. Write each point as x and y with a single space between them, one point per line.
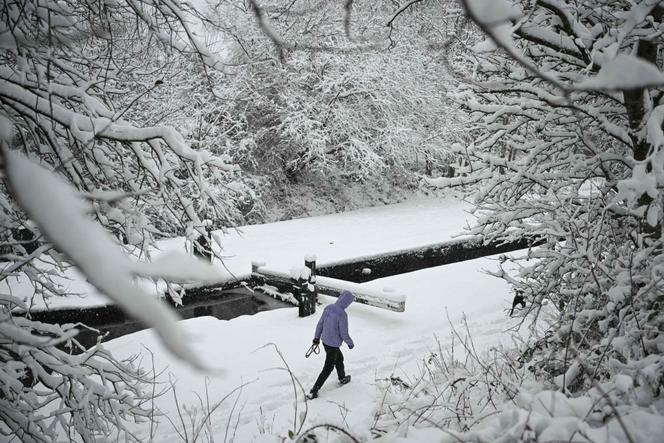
386 342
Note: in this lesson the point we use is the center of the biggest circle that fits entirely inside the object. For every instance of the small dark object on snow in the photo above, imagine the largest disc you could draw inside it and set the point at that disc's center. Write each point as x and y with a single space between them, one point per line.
313 349
307 438
518 300
202 247
396 381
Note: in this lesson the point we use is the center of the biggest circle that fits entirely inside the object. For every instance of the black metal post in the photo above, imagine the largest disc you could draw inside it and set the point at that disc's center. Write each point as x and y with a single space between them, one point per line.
310 262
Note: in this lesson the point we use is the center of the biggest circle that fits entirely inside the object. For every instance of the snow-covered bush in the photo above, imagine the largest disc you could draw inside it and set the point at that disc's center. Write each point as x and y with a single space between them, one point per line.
460 395
455 390
49 393
70 73
329 109
565 102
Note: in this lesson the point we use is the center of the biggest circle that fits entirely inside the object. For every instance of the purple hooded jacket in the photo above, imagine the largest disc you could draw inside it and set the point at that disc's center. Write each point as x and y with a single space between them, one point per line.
332 328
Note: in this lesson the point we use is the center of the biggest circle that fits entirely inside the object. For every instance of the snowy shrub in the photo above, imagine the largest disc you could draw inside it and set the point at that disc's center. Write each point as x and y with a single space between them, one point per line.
471 397
48 392
567 147
456 389
330 109
547 416
71 71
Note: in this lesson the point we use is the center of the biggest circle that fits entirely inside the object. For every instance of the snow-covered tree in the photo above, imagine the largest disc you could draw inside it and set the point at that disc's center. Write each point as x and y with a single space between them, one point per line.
566 104
336 95
71 74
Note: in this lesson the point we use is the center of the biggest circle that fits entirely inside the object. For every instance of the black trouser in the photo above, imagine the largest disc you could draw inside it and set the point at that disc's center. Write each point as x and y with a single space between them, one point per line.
333 359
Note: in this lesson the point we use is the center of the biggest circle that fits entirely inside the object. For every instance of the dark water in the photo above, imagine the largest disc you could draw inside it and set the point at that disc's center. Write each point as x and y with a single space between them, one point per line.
109 322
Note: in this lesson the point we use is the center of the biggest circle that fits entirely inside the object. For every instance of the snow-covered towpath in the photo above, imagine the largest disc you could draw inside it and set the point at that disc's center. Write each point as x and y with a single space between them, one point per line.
386 342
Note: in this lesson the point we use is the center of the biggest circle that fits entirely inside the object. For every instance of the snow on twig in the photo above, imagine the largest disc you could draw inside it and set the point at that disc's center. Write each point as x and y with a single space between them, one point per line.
61 215
624 72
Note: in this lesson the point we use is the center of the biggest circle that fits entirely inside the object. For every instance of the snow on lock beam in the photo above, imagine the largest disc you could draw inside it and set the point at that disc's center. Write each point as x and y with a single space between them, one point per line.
386 264
385 299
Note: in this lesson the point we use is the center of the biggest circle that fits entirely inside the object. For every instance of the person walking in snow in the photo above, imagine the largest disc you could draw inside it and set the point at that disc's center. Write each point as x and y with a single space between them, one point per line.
332 329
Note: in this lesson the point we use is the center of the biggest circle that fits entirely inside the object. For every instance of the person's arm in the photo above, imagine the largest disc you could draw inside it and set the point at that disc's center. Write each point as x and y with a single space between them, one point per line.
343 331
319 327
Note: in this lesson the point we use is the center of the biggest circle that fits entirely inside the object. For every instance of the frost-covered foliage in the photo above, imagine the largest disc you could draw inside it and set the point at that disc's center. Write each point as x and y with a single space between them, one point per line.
565 100
328 108
70 72
48 393
192 101
455 390
487 399
460 395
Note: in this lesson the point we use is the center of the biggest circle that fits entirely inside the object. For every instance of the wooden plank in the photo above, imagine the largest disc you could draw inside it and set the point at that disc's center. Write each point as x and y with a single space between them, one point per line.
392 301
371 267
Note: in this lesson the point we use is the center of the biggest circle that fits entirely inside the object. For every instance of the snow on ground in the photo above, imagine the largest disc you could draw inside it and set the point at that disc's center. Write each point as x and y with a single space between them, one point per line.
334 237
284 244
386 342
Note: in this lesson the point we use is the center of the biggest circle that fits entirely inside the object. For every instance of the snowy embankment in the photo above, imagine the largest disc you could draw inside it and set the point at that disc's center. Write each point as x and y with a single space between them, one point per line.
387 343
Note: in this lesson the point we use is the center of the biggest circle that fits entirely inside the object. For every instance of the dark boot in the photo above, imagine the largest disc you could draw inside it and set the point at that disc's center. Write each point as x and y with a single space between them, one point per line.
344 380
312 394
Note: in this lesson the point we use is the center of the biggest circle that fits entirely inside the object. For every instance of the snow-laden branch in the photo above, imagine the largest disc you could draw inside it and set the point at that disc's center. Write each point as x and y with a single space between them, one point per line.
583 169
85 128
624 72
61 215
494 18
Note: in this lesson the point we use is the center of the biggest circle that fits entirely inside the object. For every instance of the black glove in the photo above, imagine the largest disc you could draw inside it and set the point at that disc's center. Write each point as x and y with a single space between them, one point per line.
351 346
316 341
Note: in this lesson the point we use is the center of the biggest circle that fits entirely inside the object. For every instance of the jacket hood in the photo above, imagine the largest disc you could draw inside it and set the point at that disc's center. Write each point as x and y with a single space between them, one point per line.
345 299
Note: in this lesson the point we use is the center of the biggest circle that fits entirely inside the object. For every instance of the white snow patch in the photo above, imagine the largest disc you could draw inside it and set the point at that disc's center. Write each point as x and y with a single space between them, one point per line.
624 72
494 11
